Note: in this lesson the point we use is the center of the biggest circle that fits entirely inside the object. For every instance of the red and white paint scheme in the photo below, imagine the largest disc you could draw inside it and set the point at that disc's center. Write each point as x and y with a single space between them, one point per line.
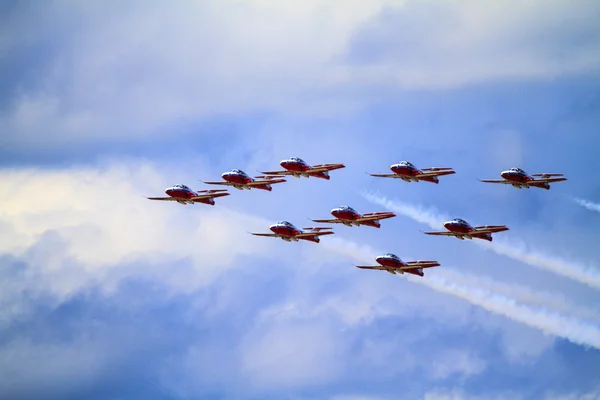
349 216
241 180
520 179
184 195
297 167
409 173
289 233
394 265
462 230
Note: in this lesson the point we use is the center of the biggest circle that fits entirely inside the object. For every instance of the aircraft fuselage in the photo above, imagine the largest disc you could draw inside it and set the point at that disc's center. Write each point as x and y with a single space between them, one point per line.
465 231
410 173
300 168
240 181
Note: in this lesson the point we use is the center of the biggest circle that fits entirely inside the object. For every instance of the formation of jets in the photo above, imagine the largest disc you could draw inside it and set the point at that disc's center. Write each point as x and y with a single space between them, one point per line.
347 215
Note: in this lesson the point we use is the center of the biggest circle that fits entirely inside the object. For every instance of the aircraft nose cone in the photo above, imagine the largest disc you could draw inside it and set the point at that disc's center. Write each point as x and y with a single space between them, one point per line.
283 163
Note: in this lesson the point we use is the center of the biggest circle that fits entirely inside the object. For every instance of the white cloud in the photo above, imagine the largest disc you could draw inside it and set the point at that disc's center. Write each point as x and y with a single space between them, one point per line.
139 70
457 362
86 224
458 394
292 355
446 44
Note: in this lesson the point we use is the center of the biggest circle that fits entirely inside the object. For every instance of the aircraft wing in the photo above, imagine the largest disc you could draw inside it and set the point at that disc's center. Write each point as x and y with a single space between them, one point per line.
386 175
209 196
376 216
326 167
436 172
312 234
378 267
448 233
546 175
264 234
283 172
224 183
164 198
420 264
497 181
548 180
328 221
439 169
490 229
265 182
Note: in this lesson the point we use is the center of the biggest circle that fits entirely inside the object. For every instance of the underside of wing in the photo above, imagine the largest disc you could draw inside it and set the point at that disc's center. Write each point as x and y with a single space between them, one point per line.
547 180
386 175
265 182
490 229
164 198
496 181
225 183
439 169
284 172
546 175
327 221
265 234
209 196
312 234
378 267
440 233
420 264
376 216
435 173
326 167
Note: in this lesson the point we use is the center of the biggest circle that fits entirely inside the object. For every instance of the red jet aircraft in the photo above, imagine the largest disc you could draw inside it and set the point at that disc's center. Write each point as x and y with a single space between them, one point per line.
520 179
184 195
349 216
240 180
462 230
394 265
409 173
289 233
297 167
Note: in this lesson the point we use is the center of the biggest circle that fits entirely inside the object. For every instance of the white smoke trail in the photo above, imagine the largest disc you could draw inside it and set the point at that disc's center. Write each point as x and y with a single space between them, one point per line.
572 329
588 204
516 251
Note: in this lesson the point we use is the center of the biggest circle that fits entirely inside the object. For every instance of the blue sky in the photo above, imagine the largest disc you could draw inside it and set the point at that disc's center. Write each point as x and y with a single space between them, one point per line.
106 295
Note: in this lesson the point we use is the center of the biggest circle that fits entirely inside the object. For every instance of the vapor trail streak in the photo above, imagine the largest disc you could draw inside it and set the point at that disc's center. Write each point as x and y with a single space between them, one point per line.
517 251
572 329
588 204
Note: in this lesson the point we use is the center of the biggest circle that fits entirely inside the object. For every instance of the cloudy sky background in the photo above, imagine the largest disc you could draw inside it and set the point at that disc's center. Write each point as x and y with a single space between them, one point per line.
104 294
